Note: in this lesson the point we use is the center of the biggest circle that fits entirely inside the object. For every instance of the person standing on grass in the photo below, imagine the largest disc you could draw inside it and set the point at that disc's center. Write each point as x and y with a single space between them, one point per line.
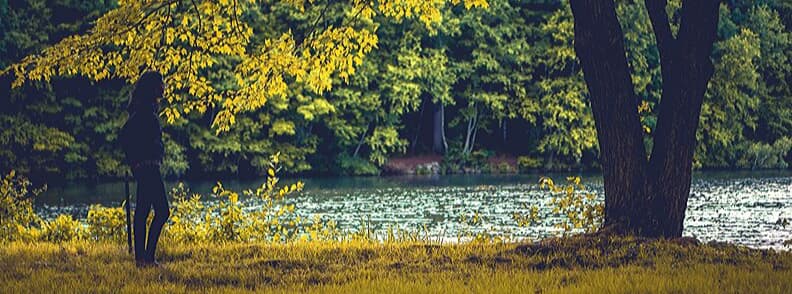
141 140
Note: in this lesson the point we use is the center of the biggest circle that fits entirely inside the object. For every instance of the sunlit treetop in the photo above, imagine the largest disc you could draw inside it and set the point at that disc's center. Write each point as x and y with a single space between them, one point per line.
183 39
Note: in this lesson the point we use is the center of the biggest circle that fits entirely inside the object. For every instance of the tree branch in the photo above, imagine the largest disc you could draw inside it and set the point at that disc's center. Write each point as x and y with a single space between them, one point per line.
698 27
662 31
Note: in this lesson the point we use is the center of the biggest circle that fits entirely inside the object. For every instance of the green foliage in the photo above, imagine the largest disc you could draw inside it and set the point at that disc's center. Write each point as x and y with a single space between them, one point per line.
174 163
33 146
576 204
506 77
748 100
459 161
762 155
384 140
731 97
567 122
503 168
527 163
356 166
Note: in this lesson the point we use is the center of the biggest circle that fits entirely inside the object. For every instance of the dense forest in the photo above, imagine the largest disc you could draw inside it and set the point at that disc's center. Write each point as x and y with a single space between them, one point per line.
501 81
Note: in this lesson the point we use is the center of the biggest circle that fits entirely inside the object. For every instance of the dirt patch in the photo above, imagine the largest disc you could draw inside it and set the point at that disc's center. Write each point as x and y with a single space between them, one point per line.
410 165
503 164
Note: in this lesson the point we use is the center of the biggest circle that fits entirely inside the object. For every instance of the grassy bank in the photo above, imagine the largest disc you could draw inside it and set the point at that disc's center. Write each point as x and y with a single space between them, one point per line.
557 265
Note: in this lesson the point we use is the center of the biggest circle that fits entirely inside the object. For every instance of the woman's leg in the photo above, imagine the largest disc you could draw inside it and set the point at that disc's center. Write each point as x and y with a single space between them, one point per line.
161 213
142 207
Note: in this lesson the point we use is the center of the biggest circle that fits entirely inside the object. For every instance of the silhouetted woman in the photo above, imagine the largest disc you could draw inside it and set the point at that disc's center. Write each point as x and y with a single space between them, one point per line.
141 139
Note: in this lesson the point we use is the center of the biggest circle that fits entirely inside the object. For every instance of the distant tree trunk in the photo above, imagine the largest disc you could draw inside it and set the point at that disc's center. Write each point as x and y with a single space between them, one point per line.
470 135
646 197
361 141
419 123
503 133
439 144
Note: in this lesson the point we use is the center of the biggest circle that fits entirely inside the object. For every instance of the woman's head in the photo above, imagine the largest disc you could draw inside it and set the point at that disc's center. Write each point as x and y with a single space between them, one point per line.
148 89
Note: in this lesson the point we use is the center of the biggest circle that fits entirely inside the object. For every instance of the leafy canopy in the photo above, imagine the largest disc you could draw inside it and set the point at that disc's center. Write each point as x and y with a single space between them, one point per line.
182 39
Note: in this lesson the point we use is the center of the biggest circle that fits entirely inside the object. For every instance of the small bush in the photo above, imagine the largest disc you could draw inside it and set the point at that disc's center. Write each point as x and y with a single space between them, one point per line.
356 166
106 223
572 200
504 168
527 163
577 207
457 161
226 220
18 221
61 229
189 222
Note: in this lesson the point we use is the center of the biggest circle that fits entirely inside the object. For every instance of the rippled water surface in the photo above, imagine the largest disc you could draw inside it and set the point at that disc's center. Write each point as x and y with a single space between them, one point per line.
739 207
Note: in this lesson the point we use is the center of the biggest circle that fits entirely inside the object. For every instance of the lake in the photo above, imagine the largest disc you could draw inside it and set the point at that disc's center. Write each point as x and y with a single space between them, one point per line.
739 207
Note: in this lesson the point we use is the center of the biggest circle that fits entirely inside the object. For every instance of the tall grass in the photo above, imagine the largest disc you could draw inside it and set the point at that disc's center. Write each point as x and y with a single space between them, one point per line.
573 264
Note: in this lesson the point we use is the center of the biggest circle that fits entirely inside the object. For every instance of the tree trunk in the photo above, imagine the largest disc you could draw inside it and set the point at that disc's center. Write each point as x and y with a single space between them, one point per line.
439 144
686 71
645 197
418 127
361 141
470 134
600 48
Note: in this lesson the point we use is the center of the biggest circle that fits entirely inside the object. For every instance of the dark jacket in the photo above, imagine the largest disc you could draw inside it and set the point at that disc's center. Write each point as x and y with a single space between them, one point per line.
141 137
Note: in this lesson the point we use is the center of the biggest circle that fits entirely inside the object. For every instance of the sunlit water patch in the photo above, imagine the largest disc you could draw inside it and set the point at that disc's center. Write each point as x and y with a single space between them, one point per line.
744 208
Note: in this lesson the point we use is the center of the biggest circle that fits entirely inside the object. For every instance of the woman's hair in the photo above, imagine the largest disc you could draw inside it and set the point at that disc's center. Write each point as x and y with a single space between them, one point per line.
148 88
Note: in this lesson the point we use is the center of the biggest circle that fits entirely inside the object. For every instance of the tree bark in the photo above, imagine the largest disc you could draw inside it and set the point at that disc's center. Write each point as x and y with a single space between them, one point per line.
646 197
600 48
686 70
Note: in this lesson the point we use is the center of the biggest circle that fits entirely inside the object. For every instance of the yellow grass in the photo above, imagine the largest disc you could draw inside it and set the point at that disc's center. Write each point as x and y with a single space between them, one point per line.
582 265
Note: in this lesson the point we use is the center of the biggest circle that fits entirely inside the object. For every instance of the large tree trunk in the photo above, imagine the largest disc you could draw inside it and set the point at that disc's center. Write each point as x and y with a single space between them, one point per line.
645 197
686 71
600 48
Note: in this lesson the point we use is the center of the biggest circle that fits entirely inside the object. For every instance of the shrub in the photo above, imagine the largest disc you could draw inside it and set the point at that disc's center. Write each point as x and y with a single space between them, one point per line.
274 220
18 221
189 222
356 166
458 161
577 207
504 168
225 219
526 163
106 223
61 229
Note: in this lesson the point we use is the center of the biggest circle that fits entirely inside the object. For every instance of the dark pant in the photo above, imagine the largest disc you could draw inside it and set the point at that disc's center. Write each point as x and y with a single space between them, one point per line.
150 193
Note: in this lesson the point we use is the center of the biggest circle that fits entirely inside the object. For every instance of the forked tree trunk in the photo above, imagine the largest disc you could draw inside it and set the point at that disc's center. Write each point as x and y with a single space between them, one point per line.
646 197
